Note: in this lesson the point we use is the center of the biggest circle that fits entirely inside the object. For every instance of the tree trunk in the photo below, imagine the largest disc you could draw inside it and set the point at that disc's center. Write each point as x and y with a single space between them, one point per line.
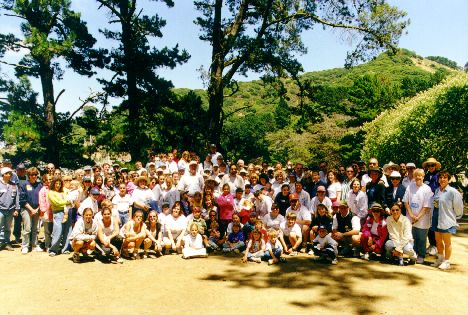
133 105
216 86
51 142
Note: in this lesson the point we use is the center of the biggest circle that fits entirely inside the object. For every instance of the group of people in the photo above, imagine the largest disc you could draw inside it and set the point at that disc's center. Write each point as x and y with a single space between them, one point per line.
259 212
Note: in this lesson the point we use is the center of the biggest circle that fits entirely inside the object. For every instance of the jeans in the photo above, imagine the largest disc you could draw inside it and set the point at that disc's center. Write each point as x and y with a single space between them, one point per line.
47 233
276 252
56 232
30 224
66 231
239 245
123 218
328 251
6 218
407 249
420 236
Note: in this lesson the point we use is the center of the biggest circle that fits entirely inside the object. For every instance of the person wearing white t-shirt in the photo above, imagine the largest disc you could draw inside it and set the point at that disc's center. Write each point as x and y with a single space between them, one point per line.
191 182
290 236
334 187
303 217
274 219
123 202
418 204
320 198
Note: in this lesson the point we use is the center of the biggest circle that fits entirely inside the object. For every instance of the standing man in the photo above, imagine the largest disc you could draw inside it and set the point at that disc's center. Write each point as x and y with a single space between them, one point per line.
345 188
9 206
29 202
234 180
214 154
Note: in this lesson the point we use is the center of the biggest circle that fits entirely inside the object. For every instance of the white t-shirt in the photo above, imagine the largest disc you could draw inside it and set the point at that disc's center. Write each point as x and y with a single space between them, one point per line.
325 241
315 202
333 189
176 225
143 196
271 246
418 198
301 214
121 204
287 230
191 183
271 223
193 242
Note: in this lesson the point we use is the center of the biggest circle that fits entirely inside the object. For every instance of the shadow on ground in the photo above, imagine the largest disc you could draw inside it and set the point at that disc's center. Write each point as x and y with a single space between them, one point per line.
344 282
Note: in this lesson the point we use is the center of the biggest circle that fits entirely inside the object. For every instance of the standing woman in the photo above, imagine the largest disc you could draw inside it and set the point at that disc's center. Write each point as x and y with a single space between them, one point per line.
357 201
46 211
448 207
58 201
395 191
333 187
169 193
226 208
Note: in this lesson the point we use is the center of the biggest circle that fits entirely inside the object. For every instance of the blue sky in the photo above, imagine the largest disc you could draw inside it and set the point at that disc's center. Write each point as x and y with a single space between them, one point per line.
438 28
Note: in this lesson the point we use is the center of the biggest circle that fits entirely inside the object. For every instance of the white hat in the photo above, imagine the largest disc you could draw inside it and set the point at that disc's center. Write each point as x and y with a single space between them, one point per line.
193 163
410 164
5 170
395 174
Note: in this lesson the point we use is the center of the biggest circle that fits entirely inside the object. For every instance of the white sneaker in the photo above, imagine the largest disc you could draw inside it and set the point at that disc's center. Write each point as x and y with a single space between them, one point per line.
24 250
438 262
38 249
365 256
420 260
311 252
431 250
334 261
270 261
444 265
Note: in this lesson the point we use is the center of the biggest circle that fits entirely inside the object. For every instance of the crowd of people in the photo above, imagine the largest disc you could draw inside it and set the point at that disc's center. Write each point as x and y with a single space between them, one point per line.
194 207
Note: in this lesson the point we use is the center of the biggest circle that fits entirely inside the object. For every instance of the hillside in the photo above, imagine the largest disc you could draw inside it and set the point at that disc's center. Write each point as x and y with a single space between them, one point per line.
272 122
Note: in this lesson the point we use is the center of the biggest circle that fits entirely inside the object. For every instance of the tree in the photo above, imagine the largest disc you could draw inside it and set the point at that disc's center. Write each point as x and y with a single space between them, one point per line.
51 30
264 35
444 61
135 63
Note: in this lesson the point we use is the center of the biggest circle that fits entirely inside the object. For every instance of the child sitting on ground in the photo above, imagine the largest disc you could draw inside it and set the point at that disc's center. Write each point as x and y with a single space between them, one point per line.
273 248
235 240
324 246
255 248
193 244
214 240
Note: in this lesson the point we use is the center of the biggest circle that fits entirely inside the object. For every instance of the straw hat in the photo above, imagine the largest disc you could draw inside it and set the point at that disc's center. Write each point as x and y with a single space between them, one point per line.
431 160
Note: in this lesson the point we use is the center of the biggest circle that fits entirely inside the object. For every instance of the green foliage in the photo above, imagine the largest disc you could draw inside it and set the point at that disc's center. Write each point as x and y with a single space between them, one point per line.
444 61
431 124
282 114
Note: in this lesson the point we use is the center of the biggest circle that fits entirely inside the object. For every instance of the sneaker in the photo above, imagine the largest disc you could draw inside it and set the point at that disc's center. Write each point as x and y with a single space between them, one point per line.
120 260
431 250
401 262
38 249
311 252
282 259
145 254
226 250
438 262
334 261
76 257
8 248
365 256
257 260
236 251
52 254
420 260
24 250
445 265
270 262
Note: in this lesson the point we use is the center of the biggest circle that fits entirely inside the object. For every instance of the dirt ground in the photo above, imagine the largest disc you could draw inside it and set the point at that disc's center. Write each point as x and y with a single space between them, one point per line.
39 284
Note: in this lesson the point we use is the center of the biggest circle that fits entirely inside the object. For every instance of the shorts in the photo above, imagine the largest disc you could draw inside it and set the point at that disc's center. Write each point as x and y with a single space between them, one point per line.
435 222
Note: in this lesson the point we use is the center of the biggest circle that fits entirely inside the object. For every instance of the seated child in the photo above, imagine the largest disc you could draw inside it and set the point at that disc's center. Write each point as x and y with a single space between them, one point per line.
259 226
255 248
291 235
273 249
193 244
214 240
324 246
235 240
250 225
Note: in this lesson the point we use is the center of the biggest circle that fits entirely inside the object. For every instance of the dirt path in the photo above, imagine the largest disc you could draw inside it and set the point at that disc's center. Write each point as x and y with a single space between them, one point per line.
38 284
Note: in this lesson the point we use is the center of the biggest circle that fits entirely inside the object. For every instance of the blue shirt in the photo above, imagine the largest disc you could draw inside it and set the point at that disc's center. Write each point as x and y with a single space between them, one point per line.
29 193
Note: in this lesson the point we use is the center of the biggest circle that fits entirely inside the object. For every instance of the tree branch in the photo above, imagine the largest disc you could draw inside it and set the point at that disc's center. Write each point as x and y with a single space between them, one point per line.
234 91
58 96
85 102
15 65
108 5
226 116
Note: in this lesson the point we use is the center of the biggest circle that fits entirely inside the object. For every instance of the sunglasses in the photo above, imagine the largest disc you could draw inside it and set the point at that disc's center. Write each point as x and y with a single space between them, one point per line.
395 210
32 174
431 165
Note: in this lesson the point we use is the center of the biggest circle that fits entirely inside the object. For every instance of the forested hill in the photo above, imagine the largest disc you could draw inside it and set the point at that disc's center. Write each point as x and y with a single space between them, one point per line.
272 121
